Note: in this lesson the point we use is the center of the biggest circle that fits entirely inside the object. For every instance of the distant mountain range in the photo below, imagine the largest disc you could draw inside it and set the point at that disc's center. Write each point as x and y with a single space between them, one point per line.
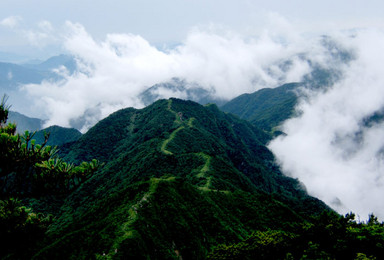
53 63
24 122
13 75
179 88
58 135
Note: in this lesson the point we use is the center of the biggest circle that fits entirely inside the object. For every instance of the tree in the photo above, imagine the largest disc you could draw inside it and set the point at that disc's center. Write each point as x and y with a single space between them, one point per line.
27 168
29 171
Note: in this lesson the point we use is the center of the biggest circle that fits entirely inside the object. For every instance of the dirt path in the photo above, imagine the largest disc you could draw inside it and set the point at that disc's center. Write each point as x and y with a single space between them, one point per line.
178 120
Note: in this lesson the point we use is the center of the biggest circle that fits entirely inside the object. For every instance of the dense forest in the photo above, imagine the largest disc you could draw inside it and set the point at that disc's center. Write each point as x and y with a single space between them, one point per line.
174 180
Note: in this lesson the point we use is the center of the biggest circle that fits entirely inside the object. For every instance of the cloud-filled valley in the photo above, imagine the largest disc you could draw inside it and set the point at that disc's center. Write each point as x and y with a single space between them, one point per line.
333 146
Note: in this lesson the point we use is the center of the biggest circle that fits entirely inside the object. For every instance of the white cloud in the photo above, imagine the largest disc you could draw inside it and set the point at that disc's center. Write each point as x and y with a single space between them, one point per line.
329 148
115 71
11 21
45 26
42 36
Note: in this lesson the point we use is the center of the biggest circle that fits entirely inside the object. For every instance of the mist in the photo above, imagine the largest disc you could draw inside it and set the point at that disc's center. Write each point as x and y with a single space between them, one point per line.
114 71
335 147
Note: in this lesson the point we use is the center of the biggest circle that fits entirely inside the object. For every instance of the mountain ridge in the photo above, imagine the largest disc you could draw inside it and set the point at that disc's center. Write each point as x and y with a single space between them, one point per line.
177 180
266 108
176 162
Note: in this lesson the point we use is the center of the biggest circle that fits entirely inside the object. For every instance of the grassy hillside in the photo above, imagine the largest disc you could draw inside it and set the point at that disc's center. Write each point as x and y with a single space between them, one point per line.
266 108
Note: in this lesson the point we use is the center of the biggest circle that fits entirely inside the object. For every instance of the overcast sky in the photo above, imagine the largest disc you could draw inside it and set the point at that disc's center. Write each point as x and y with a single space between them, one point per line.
29 27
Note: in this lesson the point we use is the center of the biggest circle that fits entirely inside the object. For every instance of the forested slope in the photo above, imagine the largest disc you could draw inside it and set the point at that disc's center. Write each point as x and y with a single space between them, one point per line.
265 108
179 178
175 180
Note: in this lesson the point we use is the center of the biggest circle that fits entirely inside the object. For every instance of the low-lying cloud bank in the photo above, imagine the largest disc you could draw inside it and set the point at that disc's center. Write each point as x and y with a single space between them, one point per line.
335 147
114 72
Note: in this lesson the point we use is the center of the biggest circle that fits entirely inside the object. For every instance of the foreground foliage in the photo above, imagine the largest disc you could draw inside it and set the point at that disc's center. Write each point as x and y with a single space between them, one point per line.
30 169
21 229
29 174
328 236
180 181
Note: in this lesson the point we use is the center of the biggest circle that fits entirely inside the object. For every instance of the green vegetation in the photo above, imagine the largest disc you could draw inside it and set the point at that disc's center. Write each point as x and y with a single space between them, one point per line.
179 181
182 178
21 229
328 236
30 169
57 135
29 174
266 108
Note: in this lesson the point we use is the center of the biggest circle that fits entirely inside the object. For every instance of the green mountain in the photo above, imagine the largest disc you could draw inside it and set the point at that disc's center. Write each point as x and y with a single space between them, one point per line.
57 135
54 63
179 179
265 108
